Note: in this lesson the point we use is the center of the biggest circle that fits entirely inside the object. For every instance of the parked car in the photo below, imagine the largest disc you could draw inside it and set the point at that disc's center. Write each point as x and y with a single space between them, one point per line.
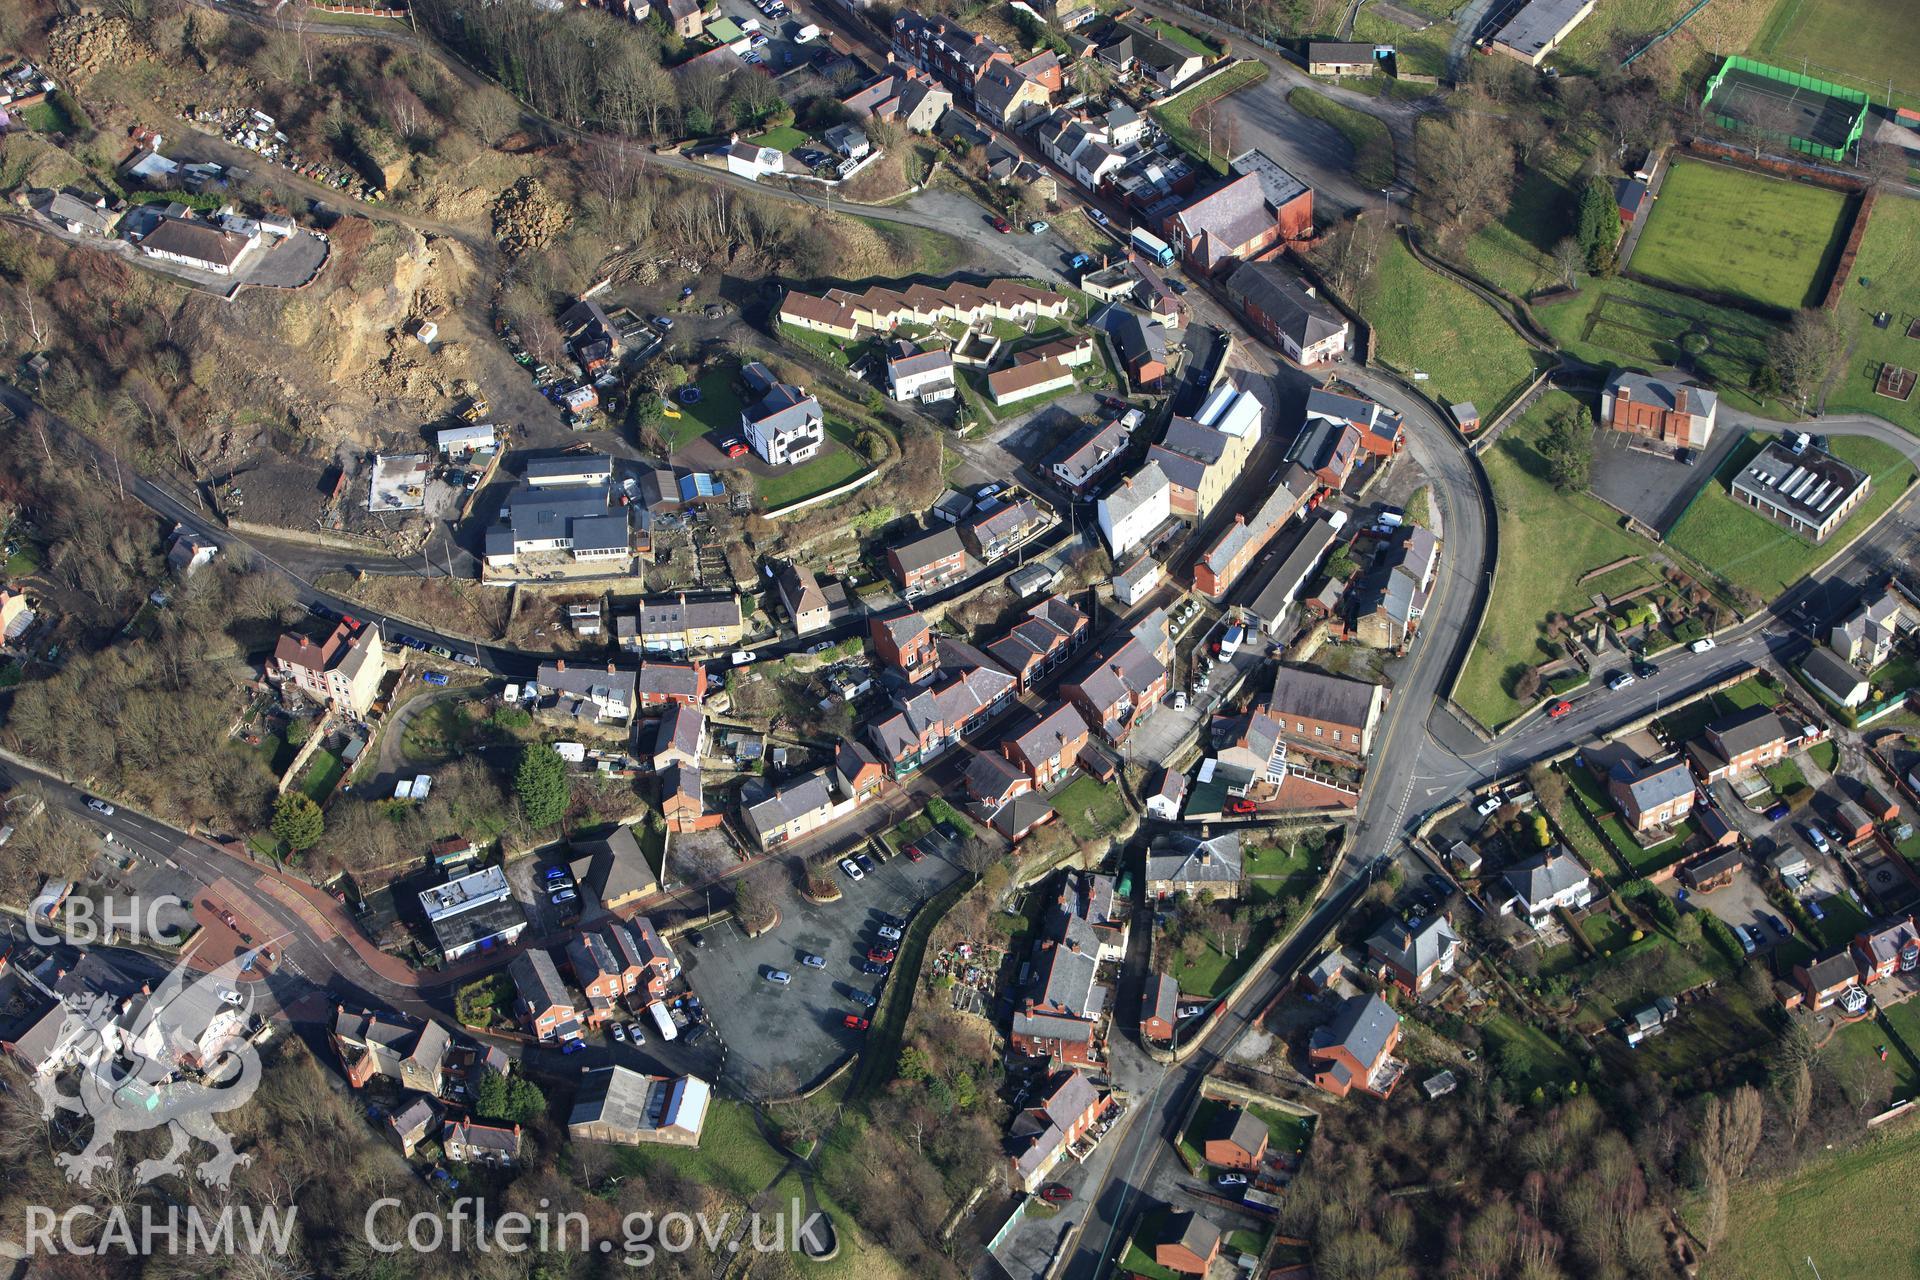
1241 806
100 807
1488 805
1619 680
1778 925
1099 218
881 954
1746 942
1815 836
889 920
873 968
1701 646
1054 1193
696 937
780 976
813 962
560 897
1180 700
734 447
573 1046
866 863
888 932
1439 884
854 1022
1644 669
914 854
852 869
1814 910
865 999
741 657
1001 225
1776 812
662 322
1178 286
1037 226
617 1031
1231 1180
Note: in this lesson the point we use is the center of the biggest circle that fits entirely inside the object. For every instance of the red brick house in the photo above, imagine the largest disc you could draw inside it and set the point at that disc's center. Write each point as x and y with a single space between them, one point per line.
545 1004
1052 631
658 683
1825 980
905 642
1237 1139
1047 751
1261 205
1655 409
1354 1051
1736 745
928 561
1188 1244
595 971
1159 1007
994 780
1892 948
1067 1106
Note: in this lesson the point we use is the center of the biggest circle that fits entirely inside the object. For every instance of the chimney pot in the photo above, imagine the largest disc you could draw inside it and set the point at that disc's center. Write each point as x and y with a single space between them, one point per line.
559 664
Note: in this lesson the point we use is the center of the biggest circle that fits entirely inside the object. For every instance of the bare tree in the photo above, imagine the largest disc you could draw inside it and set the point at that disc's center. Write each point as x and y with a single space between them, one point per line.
1804 353
1568 260
1466 177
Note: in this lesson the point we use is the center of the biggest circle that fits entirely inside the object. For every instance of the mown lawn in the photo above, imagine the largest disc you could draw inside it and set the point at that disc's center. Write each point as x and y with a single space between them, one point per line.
1840 1210
1884 279
1542 1062
1420 53
323 771
1548 540
1728 538
1856 38
836 463
1181 36
718 409
1775 242
1425 322
1367 135
785 138
1611 322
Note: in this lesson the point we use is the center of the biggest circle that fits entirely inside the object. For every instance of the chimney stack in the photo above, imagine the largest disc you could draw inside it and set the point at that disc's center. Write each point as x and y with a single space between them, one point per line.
559 664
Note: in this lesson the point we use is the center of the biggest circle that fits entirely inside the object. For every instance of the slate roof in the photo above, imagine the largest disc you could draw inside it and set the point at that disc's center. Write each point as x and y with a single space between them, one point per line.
1313 694
930 548
670 679
1362 1027
584 682
1653 785
538 980
680 729
1161 999
1282 297
1051 733
1658 391
1544 877
790 800
1179 857
1140 489
1832 971
1746 730
1240 1127
991 776
1414 950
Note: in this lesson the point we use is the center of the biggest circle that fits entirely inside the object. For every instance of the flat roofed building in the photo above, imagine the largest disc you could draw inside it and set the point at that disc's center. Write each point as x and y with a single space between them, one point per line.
1810 492
1539 27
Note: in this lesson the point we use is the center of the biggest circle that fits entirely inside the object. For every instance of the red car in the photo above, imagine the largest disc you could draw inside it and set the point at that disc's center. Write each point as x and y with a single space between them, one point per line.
1004 227
855 1022
734 448
914 854
1559 709
1240 806
881 955
1054 1193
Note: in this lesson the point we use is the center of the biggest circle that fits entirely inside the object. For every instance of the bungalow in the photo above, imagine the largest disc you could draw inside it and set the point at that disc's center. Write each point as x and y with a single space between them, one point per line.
1237 1139
1714 871
1544 884
1025 381
1355 1049
1185 863
1341 58
1411 955
844 314
1835 677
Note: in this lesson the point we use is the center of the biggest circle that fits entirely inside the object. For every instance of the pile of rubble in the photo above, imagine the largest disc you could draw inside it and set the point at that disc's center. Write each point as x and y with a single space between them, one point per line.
526 217
79 47
257 132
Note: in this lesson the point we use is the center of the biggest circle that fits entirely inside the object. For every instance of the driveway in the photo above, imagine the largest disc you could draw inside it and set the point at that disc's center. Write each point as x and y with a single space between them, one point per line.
782 1038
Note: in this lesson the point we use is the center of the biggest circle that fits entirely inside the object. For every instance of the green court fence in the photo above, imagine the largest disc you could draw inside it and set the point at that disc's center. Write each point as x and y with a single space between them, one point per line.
1795 81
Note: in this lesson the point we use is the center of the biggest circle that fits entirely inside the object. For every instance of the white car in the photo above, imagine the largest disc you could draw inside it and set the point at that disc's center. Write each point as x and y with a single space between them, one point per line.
231 997
1621 681
100 807
1180 700
1701 646
1488 805
619 1033
852 869
741 657
888 932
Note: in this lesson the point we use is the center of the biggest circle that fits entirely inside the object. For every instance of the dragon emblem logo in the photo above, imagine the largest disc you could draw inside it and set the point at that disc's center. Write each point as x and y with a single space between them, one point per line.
176 1059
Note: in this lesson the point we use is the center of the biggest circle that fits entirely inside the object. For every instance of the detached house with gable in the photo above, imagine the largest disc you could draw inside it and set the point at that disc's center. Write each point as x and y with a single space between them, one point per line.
1355 1050
1734 746
782 422
1655 409
1183 862
342 672
1412 956
1261 205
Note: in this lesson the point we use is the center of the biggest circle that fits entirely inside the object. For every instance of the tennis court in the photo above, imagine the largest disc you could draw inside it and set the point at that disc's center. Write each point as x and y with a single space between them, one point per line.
1782 110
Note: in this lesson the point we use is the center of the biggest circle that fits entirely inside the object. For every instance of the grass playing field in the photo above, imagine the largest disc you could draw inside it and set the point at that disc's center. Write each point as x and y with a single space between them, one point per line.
1551 539
1729 538
1862 44
1828 1212
1889 263
1768 240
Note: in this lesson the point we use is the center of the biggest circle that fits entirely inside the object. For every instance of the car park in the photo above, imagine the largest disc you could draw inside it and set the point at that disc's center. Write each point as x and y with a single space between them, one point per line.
852 869
866 863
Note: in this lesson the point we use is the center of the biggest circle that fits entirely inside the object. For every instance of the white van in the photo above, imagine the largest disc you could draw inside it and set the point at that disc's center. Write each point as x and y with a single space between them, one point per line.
806 33
663 1020
1701 646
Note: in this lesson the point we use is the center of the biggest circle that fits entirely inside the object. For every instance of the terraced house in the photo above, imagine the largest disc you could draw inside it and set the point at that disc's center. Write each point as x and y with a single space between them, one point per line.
945 48
1242 543
1125 683
844 314
679 624
906 643
1091 454
1051 633
1203 455
1047 750
906 95
1287 311
927 722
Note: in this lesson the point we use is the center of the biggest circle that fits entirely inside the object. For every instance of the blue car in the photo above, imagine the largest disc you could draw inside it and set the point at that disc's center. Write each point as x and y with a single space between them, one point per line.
573 1046
433 677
